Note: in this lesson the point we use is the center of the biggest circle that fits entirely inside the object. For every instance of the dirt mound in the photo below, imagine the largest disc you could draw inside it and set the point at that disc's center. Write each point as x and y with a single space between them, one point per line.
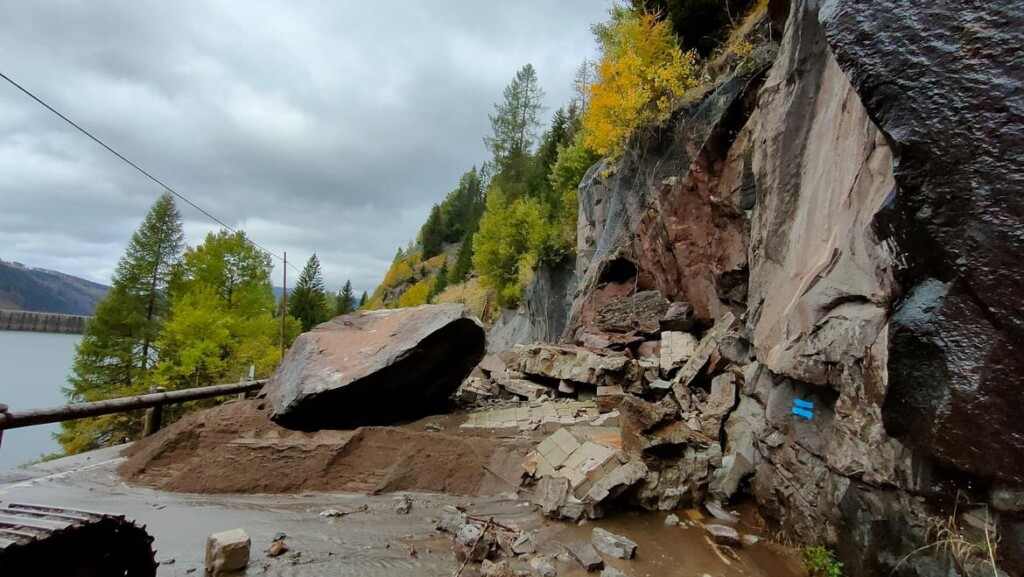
235 448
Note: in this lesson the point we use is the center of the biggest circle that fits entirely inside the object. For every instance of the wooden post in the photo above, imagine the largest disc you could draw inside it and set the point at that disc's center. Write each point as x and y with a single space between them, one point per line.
3 410
284 302
154 415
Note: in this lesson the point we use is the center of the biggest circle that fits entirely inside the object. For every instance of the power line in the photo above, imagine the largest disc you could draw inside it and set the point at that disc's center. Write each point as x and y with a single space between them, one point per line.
136 167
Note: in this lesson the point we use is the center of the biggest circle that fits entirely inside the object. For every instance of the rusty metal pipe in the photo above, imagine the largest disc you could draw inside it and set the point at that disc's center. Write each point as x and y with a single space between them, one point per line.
96 408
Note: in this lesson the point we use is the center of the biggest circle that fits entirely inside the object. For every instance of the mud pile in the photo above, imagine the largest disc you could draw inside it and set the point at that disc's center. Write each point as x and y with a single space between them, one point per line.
235 448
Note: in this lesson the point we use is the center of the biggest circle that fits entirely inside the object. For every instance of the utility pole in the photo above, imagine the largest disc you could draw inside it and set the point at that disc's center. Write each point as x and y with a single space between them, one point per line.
284 303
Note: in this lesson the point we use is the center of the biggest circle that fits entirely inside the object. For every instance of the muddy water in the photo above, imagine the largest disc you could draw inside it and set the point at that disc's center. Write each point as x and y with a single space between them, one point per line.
375 542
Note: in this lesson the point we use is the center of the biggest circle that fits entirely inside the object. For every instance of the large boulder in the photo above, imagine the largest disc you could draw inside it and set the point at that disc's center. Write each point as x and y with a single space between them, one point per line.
375 367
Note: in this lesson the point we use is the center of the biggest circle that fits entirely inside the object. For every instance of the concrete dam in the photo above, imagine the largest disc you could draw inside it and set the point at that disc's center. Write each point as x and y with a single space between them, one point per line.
42 322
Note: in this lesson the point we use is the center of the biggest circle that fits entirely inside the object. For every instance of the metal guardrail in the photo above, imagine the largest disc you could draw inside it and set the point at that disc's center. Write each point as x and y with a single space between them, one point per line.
153 401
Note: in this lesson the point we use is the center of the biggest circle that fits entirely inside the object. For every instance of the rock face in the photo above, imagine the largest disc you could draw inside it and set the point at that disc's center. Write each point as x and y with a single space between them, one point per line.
954 365
375 367
857 207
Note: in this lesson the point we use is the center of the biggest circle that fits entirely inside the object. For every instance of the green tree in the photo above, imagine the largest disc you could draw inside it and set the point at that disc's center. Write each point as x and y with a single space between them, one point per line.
463 262
308 300
432 233
119 345
516 121
440 282
345 303
363 299
221 316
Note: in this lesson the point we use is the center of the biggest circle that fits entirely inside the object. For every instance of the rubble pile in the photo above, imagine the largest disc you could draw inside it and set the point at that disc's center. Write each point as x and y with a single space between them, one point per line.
668 397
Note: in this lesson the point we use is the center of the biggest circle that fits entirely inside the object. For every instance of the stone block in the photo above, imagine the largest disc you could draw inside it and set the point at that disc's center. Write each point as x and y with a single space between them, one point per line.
586 555
611 544
724 535
227 551
565 440
526 389
676 349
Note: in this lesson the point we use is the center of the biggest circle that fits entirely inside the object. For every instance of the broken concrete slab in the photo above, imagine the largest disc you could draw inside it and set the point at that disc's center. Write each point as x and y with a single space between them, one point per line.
351 370
585 554
611 544
226 552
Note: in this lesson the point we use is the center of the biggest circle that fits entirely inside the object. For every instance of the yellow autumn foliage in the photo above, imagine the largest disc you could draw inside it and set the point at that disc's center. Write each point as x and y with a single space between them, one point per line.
416 295
641 76
472 294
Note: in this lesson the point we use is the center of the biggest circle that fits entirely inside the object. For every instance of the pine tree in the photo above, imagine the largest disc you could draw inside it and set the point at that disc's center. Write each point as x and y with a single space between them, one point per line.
119 345
432 233
363 299
345 303
515 121
308 300
440 282
464 261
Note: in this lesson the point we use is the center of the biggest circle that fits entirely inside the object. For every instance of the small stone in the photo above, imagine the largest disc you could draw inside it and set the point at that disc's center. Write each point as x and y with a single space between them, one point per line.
227 551
469 543
612 572
542 567
404 505
433 427
750 539
450 520
719 513
496 569
277 548
723 535
566 387
585 554
524 544
671 520
611 544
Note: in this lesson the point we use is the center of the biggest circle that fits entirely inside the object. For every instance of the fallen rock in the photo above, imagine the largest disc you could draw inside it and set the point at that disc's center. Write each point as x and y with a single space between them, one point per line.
671 520
585 554
649 350
542 567
608 398
724 535
496 569
277 548
641 312
451 519
611 544
678 317
719 403
526 389
707 345
375 367
570 363
550 494
676 348
612 572
473 543
524 544
227 551
404 505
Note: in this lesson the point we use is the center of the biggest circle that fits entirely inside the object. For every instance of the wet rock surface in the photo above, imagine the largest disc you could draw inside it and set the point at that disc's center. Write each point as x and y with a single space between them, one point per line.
946 91
375 367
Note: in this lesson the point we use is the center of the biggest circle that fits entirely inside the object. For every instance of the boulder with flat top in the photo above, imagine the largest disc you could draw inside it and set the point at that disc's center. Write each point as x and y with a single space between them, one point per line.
375 367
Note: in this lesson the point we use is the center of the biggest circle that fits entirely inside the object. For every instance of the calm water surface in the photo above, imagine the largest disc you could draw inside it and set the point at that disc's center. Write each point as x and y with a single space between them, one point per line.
33 368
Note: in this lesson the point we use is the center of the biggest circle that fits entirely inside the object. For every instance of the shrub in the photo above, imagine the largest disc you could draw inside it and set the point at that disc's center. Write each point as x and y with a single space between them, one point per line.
821 562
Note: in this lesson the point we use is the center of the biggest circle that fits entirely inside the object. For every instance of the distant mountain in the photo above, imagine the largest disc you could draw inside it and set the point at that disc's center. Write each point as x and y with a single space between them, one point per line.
36 289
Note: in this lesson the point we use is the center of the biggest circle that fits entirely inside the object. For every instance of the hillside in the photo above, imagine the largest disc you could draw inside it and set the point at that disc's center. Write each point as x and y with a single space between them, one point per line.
33 289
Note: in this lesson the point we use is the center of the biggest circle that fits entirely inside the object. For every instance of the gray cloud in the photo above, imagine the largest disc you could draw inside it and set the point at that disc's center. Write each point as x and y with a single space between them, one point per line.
327 127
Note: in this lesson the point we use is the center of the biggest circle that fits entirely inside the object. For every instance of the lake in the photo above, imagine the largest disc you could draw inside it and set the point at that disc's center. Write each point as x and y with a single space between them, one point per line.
33 368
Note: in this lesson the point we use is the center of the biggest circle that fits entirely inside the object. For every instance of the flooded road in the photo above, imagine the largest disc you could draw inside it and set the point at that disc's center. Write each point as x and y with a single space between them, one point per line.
377 542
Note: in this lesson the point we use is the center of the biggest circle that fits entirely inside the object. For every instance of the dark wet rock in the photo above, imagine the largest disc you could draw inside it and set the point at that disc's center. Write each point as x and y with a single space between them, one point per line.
472 542
611 544
943 82
585 554
375 367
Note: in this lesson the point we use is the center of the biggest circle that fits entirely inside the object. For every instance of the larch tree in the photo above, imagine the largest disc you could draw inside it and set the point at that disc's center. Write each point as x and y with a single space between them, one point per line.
516 121
308 300
119 347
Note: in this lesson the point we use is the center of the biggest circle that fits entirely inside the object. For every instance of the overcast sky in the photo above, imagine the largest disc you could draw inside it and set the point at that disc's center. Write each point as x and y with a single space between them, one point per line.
327 127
